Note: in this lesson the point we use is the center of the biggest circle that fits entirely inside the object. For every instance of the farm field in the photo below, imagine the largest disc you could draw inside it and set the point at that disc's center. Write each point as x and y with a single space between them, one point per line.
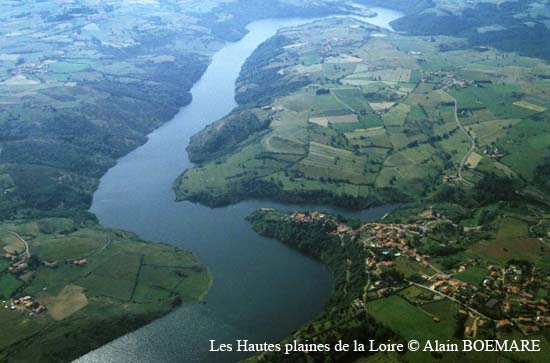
87 275
458 130
455 122
417 323
380 126
511 241
411 321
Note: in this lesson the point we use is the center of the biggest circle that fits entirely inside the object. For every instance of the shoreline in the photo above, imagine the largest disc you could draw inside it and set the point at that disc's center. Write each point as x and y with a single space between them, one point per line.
151 138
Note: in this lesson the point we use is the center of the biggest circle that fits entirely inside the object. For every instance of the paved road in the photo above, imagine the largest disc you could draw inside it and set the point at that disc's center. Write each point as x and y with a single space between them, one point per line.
470 138
450 298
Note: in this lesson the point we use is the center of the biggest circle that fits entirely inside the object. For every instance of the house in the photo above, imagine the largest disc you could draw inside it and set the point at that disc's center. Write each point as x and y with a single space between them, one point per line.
507 307
491 303
502 324
81 262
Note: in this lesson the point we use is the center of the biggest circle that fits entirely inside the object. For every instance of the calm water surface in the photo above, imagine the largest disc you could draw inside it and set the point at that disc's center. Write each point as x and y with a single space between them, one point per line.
262 289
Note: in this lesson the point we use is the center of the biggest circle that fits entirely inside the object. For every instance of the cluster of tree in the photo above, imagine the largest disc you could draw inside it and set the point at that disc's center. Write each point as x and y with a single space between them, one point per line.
40 146
492 188
267 82
224 135
542 175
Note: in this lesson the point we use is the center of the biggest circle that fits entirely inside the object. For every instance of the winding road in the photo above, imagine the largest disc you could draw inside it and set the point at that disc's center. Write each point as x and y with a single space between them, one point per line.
470 138
27 250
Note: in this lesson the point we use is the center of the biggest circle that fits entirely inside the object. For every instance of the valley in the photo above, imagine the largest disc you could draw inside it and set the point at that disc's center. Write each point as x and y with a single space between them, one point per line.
405 150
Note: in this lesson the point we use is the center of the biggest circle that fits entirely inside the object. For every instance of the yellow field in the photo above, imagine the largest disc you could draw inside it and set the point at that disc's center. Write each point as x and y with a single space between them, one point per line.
381 106
474 159
343 59
346 119
19 80
321 121
295 45
11 244
530 106
70 300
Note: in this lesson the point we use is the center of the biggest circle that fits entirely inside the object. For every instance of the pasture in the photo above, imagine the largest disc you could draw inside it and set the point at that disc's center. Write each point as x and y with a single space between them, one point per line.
412 322
472 275
409 268
70 300
8 285
525 146
498 99
396 116
488 132
328 162
512 241
353 98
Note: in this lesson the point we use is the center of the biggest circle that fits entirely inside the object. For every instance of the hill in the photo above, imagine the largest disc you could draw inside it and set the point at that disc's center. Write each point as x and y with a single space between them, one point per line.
362 116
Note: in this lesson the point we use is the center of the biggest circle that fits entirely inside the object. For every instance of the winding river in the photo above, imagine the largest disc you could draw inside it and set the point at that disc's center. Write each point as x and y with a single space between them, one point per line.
262 289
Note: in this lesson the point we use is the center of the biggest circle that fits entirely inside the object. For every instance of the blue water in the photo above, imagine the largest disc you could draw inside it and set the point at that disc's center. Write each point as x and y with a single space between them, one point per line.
262 289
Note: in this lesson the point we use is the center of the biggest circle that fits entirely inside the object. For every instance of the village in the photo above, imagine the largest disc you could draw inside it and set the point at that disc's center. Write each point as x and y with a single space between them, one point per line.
23 267
502 300
447 80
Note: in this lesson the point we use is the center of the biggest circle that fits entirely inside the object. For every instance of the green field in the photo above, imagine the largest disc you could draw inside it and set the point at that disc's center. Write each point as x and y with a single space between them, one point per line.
409 268
411 322
406 136
8 285
472 275
512 241
124 278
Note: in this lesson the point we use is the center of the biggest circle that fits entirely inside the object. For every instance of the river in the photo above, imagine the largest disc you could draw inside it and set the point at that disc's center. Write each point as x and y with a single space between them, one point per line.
262 289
